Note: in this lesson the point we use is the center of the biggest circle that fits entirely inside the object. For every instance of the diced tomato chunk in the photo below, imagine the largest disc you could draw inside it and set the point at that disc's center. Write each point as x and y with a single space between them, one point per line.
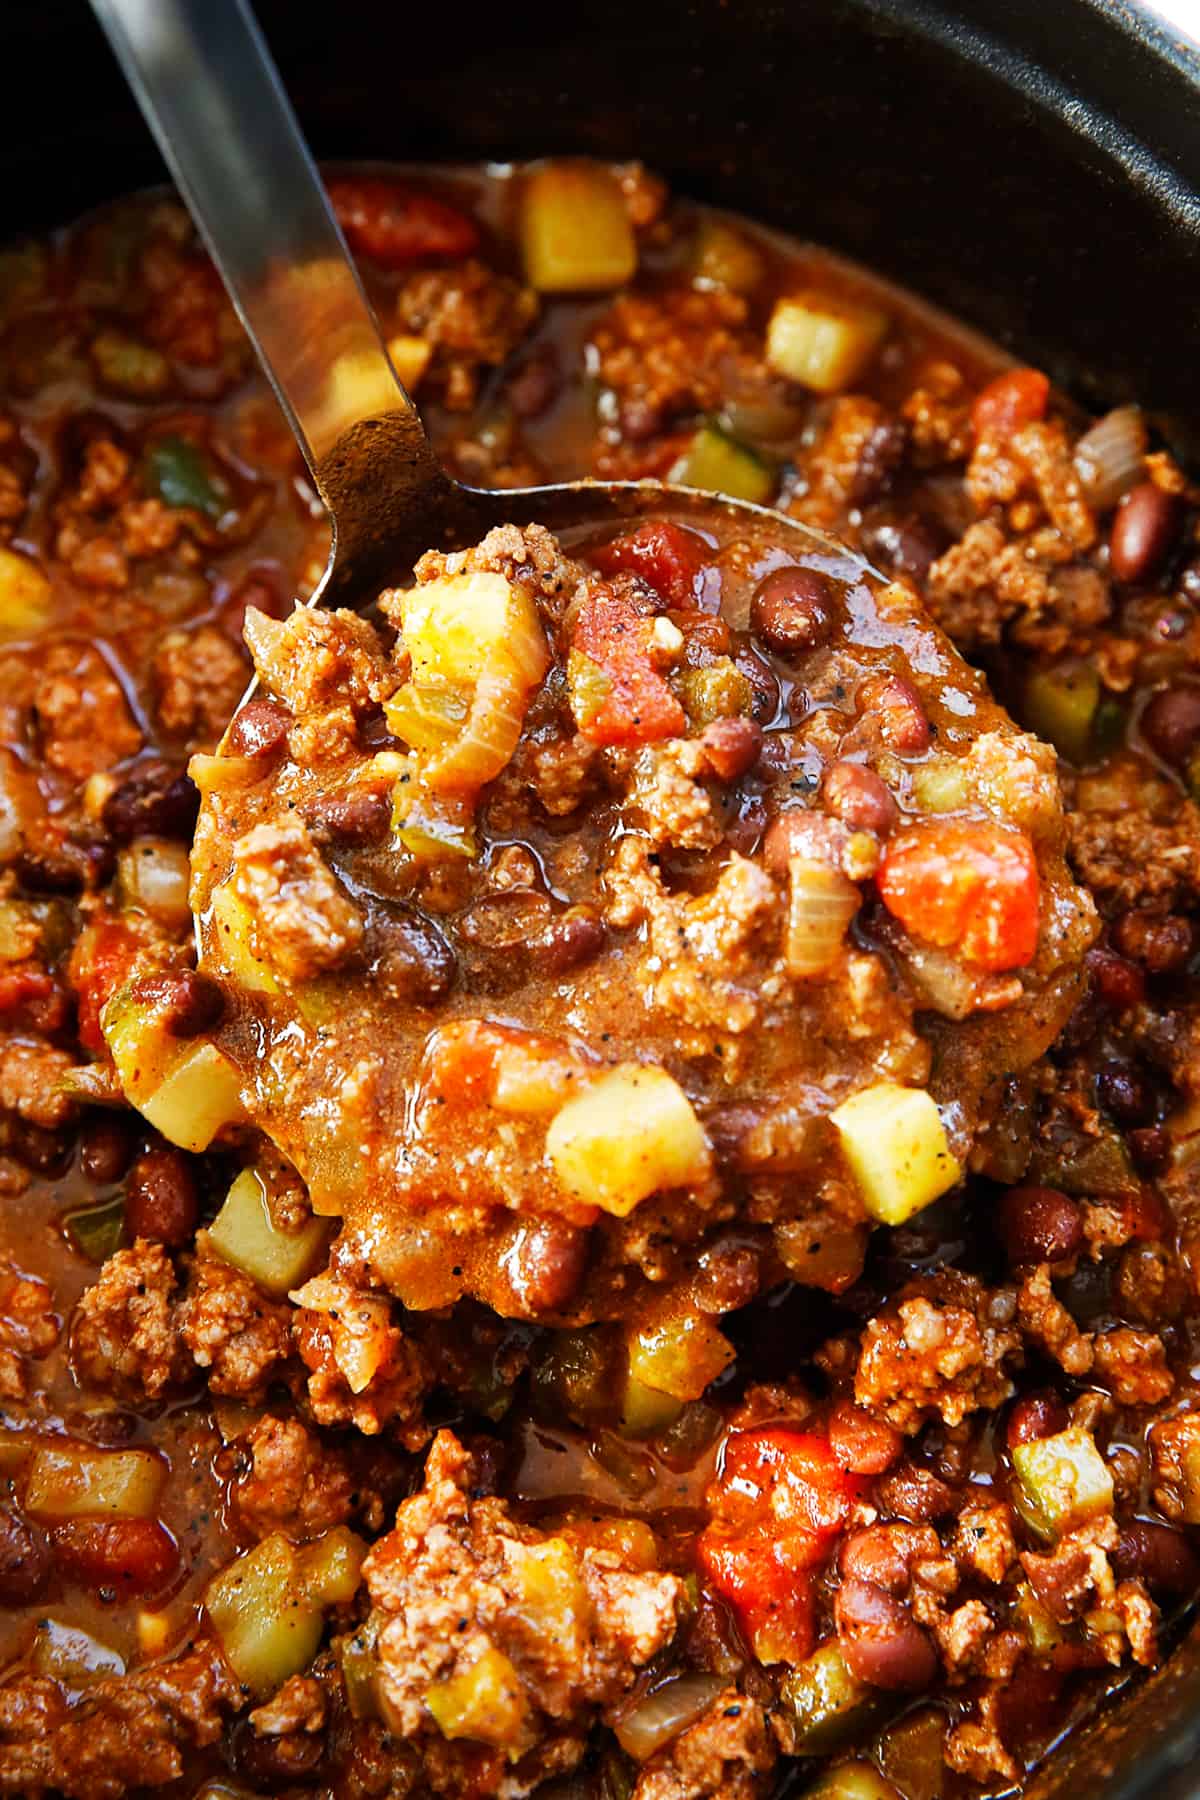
779 1505
396 226
129 1556
617 693
667 556
1010 401
102 958
973 888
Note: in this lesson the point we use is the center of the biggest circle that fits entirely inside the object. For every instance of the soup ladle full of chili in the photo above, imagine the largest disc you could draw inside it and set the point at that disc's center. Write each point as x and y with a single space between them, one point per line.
212 95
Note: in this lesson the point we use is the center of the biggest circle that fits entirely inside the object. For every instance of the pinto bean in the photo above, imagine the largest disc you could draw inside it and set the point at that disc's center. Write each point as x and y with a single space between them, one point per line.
1118 982
1159 944
732 746
792 611
1170 723
259 731
1163 1558
864 1445
24 1559
1035 1416
881 1642
1142 530
545 1264
856 795
161 1198
902 722
1038 1224
914 1494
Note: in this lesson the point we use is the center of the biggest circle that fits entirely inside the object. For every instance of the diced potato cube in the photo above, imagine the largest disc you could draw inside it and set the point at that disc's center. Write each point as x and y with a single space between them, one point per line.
680 1355
24 596
631 1133
410 358
69 1481
197 1097
549 1594
895 1142
941 786
485 1701
534 1079
459 625
246 1235
821 342
1064 1481
331 1566
232 927
725 257
576 236
268 1625
852 1781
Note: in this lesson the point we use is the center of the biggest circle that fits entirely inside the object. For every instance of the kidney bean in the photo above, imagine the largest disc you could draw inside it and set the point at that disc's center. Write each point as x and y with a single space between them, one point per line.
1170 723
763 681
908 546
187 1001
259 731
1141 533
536 384
24 1559
157 802
1119 983
1163 1558
861 1444
902 722
411 956
545 1264
878 460
858 797
914 1494
350 820
792 611
106 1149
1034 1416
569 940
161 1199
732 746
124 1556
1159 944
1150 1147
1125 1094
285 1759
881 1642
1038 1224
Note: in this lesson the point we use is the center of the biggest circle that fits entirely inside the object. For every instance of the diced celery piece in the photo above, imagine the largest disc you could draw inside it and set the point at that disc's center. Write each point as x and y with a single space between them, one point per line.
826 1702
895 1143
427 718
1031 1617
268 1625
575 231
24 596
1060 706
232 926
631 1133
246 1235
459 625
485 1701
822 342
647 1411
360 1670
198 1096
679 1355
96 1231
331 1566
719 691
852 1781
1063 1481
130 367
69 1481
941 786
912 1754
717 463
69 1654
179 474
410 357
724 257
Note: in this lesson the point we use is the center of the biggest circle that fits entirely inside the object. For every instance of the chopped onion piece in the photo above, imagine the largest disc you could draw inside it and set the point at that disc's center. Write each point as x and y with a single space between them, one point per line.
1109 457
823 901
153 876
666 1712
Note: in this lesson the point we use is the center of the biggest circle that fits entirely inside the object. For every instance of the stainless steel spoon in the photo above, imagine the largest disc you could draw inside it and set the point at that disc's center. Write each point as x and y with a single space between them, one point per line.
211 94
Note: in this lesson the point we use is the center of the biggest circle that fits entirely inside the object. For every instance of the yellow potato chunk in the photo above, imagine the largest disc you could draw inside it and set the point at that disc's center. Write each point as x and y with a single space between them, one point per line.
485 1702
410 358
576 236
234 928
821 342
680 1355
199 1094
246 1235
268 1624
24 596
72 1482
1064 1481
460 625
631 1133
895 1142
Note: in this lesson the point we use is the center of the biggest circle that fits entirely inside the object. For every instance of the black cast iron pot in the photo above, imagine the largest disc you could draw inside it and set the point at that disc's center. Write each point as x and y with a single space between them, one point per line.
1032 165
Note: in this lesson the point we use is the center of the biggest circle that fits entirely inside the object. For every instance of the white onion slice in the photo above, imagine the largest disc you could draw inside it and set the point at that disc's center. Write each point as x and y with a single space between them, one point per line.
1110 457
666 1712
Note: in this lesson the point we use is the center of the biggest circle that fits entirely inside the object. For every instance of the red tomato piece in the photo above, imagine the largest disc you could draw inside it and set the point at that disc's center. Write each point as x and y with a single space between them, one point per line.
786 1480
967 887
131 1556
619 696
770 1587
101 960
667 556
395 226
1010 401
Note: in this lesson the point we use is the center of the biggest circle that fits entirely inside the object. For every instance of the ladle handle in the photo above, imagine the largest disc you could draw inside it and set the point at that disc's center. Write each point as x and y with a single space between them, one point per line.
212 96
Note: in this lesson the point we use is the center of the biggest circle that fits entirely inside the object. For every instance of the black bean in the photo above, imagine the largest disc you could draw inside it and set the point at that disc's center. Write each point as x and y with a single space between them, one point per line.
350 820
878 460
1163 1558
410 956
792 611
569 940
909 546
1142 529
880 1640
157 802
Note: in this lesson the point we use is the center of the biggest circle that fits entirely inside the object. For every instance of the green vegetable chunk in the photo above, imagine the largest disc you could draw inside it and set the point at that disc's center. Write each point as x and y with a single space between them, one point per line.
826 1702
719 464
1060 705
179 474
1062 1481
246 1235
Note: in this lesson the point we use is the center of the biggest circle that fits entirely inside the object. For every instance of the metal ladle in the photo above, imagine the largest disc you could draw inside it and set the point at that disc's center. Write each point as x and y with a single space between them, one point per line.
210 91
